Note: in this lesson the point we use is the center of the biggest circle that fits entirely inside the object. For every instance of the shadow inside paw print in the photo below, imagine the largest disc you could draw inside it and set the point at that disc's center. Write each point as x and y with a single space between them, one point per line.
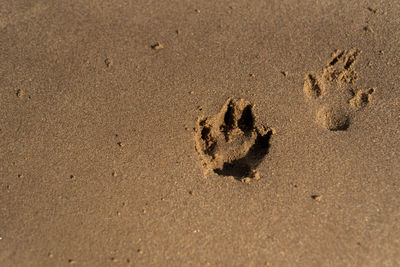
230 143
244 167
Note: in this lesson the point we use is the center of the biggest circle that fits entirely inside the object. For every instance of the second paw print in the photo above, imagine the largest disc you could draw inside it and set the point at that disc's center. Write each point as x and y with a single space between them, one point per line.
333 93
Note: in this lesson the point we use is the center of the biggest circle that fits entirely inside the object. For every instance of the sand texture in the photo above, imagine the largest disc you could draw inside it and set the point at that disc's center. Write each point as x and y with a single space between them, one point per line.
199 133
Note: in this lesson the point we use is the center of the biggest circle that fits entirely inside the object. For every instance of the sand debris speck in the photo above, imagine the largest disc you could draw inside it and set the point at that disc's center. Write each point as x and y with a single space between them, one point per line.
317 197
20 93
109 62
157 46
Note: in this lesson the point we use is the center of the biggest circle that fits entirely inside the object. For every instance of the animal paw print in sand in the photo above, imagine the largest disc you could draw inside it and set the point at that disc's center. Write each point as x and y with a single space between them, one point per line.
230 143
333 91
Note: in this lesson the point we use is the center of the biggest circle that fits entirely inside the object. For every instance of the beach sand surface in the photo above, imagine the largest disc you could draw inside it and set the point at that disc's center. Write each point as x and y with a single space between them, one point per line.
101 105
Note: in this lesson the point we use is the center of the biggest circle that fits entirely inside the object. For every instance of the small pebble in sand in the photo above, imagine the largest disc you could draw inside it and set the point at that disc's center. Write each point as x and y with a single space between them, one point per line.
72 177
157 46
109 62
20 93
252 75
317 197
191 193
113 259
120 144
118 214
373 10
368 29
197 10
140 251
114 173
285 73
20 176
50 255
71 261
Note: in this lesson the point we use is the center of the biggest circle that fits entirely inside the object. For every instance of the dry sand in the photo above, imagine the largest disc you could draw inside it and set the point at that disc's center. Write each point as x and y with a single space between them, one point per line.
99 106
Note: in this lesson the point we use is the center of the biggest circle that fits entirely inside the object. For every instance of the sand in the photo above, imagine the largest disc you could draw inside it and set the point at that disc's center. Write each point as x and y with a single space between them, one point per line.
100 103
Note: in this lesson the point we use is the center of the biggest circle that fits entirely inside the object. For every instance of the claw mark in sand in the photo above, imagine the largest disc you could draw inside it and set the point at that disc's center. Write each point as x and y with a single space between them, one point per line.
231 143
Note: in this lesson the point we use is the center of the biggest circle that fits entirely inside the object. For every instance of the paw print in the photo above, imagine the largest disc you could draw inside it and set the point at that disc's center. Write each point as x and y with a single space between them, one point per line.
332 91
230 143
